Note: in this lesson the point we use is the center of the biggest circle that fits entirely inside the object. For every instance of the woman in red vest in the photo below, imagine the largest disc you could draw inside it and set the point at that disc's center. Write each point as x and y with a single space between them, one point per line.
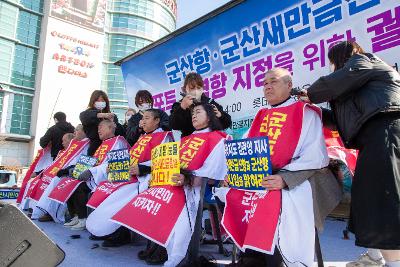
202 154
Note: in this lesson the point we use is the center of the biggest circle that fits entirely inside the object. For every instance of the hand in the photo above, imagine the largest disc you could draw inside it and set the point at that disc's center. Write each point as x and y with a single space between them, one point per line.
304 96
134 170
217 112
110 116
178 179
85 176
187 101
273 182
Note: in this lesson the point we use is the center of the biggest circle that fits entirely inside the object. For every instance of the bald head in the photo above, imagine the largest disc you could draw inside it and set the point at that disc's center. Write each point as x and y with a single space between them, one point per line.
106 129
277 85
79 133
66 139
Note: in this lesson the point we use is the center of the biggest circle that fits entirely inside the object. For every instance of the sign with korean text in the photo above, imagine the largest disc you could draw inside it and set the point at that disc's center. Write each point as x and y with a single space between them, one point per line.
84 163
233 57
165 162
118 165
248 162
153 213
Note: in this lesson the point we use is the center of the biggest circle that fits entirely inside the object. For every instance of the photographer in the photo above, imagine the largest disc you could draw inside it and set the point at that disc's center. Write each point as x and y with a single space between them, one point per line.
193 92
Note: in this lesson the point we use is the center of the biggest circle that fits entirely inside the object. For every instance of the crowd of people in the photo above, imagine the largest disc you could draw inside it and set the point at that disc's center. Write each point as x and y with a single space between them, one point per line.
364 98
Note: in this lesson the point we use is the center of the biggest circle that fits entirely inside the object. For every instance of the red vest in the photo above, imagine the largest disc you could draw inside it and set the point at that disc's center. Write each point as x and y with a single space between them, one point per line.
195 148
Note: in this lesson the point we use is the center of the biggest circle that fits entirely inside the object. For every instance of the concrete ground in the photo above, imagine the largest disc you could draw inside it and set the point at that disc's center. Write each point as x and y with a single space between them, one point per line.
84 252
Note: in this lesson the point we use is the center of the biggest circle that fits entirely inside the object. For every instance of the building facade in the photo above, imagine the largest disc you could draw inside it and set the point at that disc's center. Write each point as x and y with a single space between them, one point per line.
49 53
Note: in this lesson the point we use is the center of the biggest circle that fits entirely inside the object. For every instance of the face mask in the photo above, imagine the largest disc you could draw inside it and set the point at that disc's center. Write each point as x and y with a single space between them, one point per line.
196 94
128 117
99 105
144 106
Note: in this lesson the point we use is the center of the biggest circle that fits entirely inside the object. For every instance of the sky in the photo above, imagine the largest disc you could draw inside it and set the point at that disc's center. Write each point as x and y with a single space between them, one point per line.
189 10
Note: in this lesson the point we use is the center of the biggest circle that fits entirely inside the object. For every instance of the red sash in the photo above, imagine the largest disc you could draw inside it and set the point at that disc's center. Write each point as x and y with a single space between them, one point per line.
140 152
247 212
195 148
74 149
31 169
154 212
67 186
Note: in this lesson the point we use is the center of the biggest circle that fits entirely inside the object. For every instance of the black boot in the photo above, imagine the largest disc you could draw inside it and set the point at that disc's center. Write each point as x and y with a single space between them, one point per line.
158 257
119 238
150 249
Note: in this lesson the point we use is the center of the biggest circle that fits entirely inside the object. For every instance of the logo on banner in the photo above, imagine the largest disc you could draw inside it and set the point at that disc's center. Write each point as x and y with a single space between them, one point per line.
165 163
248 162
118 166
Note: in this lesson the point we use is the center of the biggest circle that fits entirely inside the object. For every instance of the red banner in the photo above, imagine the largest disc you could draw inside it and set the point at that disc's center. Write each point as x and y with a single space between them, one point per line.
32 186
31 169
251 218
153 213
63 191
74 149
103 191
336 150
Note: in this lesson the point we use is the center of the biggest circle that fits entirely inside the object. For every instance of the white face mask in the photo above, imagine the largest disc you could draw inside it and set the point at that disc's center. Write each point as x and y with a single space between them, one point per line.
100 105
196 94
128 117
144 106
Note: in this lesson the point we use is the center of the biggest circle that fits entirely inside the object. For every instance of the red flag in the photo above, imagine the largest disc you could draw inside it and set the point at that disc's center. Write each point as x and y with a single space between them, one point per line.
63 191
251 218
153 213
104 190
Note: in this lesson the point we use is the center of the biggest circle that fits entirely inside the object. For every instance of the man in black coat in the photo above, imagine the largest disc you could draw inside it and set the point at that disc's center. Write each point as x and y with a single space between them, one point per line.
55 133
181 117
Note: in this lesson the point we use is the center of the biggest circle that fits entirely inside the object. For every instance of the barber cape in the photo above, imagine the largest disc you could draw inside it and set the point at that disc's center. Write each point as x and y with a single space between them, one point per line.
98 223
41 161
285 217
67 186
159 213
63 160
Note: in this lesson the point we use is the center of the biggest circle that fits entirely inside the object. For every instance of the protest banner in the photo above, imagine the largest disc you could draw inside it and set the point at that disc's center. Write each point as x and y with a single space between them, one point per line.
153 213
165 163
118 166
248 162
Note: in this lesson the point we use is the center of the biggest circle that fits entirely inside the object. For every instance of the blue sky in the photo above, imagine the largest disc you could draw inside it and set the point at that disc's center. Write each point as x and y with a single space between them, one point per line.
189 10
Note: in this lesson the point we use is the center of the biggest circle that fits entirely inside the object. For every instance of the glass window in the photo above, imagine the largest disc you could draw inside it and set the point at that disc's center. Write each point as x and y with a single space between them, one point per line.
35 5
21 114
8 21
28 29
24 67
6 49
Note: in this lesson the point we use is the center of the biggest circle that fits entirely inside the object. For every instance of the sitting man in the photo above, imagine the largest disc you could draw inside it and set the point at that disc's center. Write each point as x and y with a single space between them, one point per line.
95 175
299 161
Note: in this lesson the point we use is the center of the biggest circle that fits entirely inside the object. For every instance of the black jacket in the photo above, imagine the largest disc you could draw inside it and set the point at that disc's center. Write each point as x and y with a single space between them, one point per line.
181 119
54 136
133 132
364 87
90 124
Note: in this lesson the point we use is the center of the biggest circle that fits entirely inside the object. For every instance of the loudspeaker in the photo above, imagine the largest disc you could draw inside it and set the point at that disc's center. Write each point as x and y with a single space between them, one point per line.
22 243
